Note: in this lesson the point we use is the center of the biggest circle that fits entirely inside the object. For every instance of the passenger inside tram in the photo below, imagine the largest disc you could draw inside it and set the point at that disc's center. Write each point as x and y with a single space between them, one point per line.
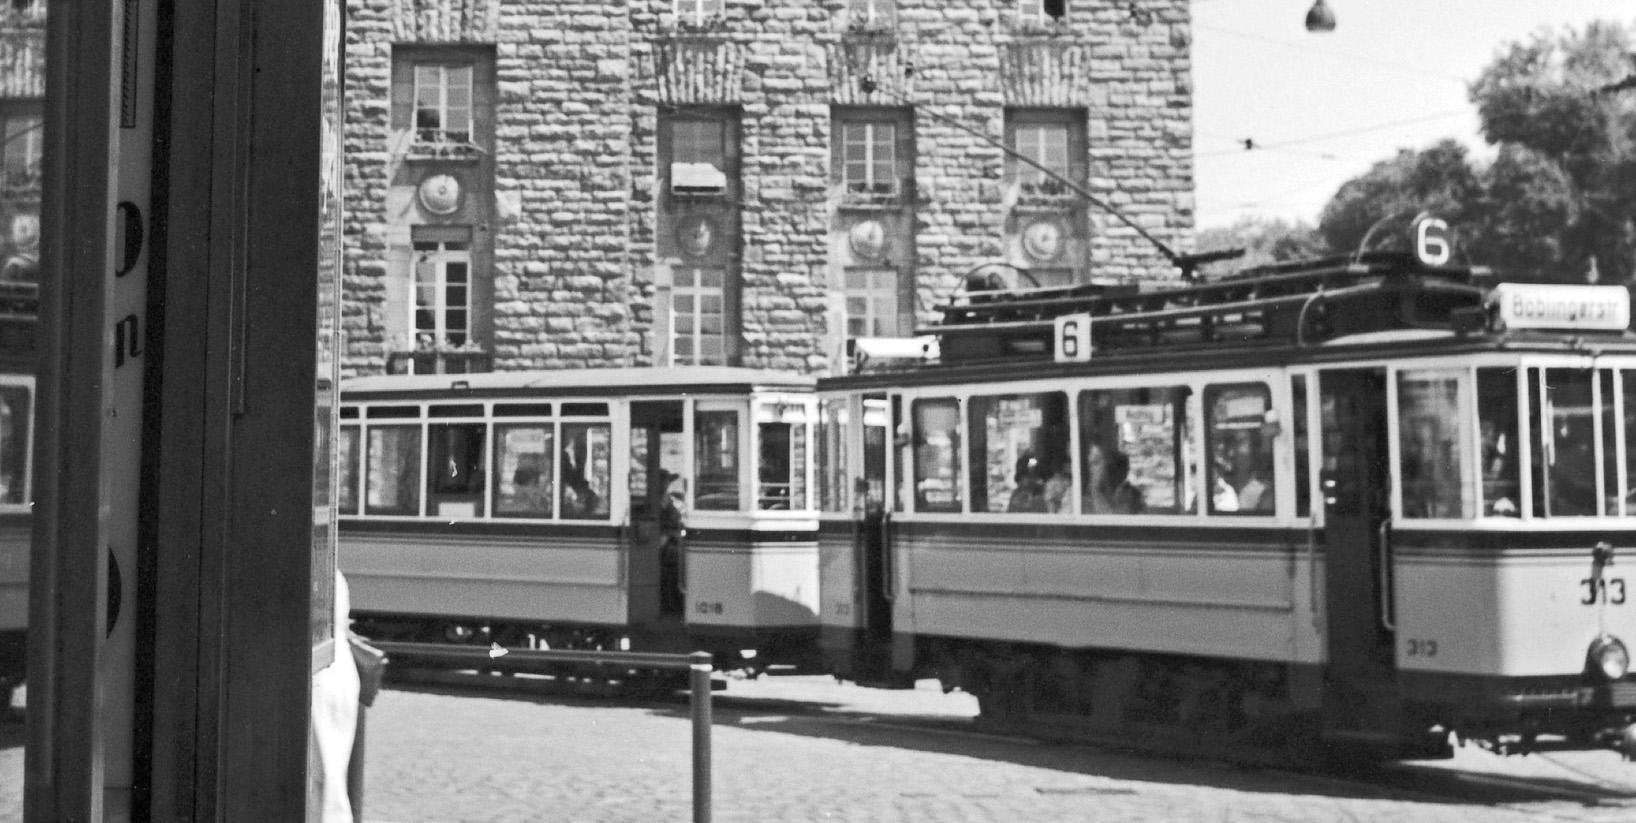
1250 473
1029 495
1108 489
1058 488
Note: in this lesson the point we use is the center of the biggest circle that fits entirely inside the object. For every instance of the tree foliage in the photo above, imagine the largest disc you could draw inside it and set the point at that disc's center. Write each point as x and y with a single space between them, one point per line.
1561 189
1264 240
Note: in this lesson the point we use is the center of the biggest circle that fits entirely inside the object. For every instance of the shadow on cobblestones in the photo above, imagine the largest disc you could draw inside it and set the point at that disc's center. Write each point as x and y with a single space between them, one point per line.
942 734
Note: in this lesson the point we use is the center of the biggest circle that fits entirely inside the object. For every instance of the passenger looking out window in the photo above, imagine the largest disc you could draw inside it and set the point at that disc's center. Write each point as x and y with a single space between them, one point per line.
1240 436
524 470
585 470
1136 452
1018 442
1108 489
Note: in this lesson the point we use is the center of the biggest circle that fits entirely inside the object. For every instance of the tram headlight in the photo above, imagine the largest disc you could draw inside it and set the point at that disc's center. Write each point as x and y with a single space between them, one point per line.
1609 658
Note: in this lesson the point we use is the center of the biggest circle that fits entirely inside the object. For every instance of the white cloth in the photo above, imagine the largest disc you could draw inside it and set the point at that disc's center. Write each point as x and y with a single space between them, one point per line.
335 714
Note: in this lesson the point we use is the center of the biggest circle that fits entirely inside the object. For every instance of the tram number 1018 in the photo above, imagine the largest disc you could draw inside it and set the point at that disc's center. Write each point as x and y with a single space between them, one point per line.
1610 590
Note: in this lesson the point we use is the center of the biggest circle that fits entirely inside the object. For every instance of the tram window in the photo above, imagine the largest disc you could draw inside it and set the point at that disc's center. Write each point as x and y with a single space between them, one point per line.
1134 448
936 454
715 455
585 410
1609 492
15 406
456 410
834 484
1497 425
347 494
1239 441
1303 481
523 470
781 471
1020 454
875 447
1562 408
392 412
1431 442
1627 381
392 484
522 409
455 469
587 450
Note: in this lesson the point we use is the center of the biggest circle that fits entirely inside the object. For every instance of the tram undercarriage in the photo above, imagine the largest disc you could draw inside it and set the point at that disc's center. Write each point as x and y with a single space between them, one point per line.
1258 711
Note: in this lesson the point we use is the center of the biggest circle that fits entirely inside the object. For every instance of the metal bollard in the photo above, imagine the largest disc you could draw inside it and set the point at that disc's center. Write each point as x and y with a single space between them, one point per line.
699 681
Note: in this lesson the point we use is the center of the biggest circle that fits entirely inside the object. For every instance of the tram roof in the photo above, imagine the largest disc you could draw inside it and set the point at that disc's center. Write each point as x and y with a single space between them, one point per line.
1385 303
581 382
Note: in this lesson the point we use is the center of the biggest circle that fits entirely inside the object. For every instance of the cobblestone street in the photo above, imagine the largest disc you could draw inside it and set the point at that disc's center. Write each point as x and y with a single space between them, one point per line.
808 749
438 757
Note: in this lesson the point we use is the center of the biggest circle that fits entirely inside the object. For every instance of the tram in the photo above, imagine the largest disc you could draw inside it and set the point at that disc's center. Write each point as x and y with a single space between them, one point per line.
1366 502
641 509
19 309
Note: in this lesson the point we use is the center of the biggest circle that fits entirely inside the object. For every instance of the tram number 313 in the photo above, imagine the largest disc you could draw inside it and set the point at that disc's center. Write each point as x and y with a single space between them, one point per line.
1609 590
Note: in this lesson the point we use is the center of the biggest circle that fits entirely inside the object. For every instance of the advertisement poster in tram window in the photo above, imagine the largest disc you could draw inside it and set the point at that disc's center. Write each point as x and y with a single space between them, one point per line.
327 371
1148 434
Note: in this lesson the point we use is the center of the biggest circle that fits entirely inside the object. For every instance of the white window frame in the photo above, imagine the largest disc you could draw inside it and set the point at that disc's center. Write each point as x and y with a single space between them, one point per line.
1029 138
698 12
880 300
438 260
445 129
692 295
871 159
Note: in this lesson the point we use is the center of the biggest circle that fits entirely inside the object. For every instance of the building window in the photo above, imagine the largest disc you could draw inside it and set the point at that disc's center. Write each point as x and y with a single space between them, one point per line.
697 313
697 11
872 14
443 103
871 302
20 154
1053 139
869 157
442 286
1042 11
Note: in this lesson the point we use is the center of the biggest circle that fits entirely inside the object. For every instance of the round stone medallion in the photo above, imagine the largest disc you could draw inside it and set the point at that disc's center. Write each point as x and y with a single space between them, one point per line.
1042 239
696 235
867 239
440 194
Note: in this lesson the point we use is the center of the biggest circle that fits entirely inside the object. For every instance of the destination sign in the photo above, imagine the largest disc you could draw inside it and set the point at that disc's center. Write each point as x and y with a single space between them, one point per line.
1550 306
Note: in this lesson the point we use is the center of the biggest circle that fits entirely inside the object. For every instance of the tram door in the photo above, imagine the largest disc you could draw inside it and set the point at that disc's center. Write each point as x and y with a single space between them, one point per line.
657 498
1359 680
874 545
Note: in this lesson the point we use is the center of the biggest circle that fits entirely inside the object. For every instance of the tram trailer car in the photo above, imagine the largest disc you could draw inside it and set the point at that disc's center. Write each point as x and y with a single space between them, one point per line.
642 509
19 304
1340 508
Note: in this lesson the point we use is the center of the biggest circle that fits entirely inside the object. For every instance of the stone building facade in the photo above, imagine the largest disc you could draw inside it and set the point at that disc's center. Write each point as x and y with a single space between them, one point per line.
564 183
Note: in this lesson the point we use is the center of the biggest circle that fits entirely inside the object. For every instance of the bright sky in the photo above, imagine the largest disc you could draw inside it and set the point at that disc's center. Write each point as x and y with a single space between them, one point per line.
1325 107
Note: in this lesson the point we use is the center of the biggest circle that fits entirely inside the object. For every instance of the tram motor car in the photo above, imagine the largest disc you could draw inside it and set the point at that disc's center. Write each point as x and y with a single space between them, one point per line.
1371 504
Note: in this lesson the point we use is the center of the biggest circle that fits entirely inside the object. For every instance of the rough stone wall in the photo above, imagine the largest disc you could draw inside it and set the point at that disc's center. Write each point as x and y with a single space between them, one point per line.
563 146
579 87
368 68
